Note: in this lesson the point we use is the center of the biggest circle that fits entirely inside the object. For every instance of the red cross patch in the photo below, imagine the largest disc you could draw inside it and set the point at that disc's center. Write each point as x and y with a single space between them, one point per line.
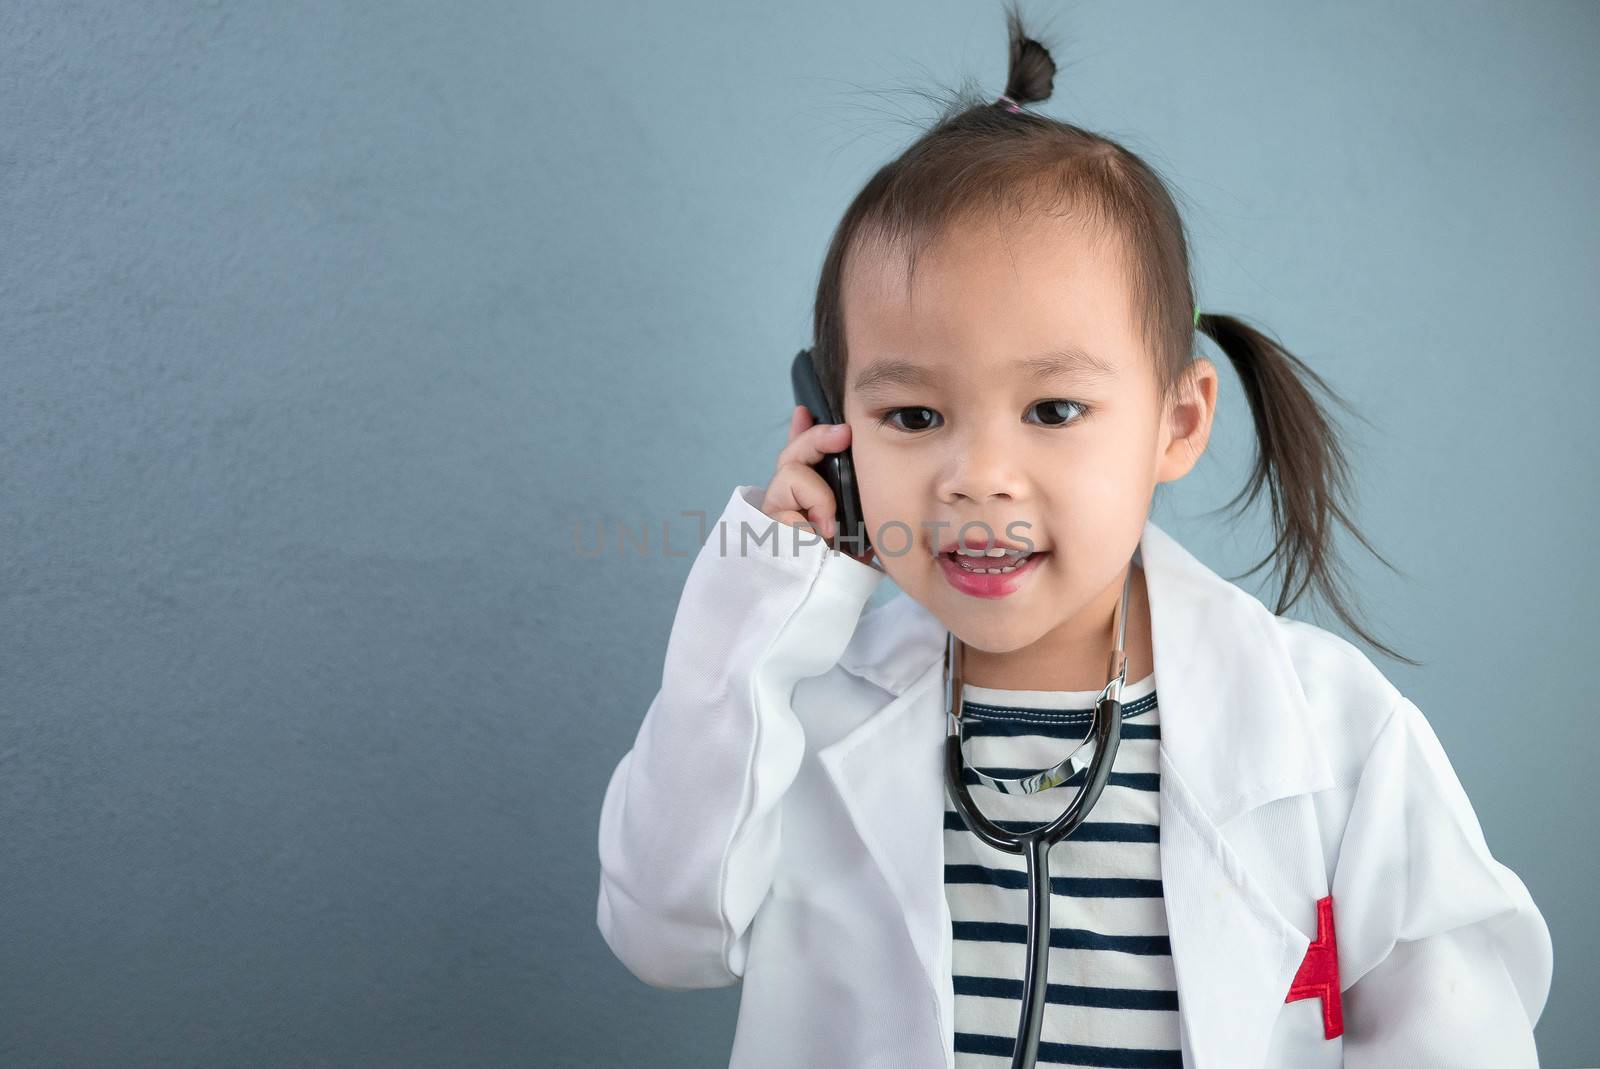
1319 972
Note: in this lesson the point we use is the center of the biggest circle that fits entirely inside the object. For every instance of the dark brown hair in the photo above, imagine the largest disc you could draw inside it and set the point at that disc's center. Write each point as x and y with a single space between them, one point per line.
983 156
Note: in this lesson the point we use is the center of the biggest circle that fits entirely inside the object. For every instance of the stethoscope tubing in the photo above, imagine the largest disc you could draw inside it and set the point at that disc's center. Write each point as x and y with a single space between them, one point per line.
1034 844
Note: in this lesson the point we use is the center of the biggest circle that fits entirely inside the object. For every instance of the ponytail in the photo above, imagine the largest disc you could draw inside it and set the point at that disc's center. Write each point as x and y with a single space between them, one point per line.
1300 462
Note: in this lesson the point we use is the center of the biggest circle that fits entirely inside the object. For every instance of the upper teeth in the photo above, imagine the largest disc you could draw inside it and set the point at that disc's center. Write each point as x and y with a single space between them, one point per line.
1016 558
992 551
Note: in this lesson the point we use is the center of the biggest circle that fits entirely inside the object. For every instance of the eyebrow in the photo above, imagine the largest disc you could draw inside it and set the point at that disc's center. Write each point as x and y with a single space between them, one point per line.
1065 362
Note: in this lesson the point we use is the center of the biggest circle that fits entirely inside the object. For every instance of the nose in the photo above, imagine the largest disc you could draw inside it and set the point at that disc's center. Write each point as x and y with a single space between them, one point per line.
985 467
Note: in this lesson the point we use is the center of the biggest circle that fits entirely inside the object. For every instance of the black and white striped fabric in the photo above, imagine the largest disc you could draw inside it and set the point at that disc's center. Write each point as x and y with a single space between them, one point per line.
1112 997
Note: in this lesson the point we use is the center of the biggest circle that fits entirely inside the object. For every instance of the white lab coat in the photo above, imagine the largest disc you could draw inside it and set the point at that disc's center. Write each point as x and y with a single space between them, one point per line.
778 821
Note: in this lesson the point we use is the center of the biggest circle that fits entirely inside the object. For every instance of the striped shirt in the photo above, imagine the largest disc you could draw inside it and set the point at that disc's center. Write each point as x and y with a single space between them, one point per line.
1112 998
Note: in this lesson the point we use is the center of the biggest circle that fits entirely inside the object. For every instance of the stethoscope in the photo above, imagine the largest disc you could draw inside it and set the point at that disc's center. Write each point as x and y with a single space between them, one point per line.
1105 734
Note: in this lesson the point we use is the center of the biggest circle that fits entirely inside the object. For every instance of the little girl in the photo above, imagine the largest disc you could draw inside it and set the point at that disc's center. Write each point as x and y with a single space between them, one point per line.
1283 869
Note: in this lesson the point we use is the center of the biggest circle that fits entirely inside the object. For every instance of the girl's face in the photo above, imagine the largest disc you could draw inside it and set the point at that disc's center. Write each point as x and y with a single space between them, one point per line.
1009 391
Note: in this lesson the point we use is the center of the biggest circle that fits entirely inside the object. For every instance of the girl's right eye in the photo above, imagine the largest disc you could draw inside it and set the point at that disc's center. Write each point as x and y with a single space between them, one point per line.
920 415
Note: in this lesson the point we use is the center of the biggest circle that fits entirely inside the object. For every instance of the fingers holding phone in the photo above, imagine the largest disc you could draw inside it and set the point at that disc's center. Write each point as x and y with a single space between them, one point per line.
797 494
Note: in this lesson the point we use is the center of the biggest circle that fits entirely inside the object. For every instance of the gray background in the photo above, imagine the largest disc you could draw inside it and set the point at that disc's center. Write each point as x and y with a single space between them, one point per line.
323 324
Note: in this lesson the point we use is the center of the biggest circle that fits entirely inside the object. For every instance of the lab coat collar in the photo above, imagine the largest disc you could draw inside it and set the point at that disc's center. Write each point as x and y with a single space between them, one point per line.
1236 733
1227 685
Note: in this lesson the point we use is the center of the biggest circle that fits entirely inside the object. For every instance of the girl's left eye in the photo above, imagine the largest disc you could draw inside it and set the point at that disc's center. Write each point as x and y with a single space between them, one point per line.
1059 412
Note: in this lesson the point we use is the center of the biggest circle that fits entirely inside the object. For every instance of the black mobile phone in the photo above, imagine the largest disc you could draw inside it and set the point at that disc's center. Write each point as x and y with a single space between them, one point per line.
838 469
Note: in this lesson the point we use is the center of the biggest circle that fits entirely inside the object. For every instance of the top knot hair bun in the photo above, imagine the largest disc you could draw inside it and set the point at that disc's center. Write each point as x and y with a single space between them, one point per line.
1032 72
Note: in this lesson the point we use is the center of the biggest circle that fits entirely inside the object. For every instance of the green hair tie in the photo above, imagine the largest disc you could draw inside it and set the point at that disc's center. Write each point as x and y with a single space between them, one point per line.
1197 315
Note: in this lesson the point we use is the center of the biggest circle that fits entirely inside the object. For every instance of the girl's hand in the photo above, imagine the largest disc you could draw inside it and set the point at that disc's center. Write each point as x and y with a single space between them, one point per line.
797 494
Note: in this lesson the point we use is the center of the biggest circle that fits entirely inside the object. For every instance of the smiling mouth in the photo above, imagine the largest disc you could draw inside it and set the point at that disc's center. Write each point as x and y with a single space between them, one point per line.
1001 563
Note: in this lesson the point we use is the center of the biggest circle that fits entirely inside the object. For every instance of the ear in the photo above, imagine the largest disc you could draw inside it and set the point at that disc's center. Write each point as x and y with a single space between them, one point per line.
1188 421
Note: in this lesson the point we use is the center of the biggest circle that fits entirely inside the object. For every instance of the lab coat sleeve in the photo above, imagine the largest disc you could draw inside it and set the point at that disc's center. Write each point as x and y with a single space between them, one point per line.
1443 958
689 828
